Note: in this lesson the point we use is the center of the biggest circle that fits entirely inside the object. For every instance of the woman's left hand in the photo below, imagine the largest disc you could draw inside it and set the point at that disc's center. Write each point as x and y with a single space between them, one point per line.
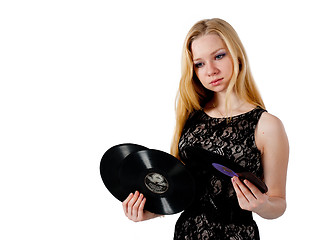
249 196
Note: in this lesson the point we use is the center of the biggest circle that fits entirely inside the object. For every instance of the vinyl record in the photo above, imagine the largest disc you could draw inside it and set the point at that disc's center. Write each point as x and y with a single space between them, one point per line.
110 165
164 181
200 159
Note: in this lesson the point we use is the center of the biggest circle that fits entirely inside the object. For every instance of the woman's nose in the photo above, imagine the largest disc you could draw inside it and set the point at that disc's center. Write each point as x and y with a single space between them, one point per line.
211 69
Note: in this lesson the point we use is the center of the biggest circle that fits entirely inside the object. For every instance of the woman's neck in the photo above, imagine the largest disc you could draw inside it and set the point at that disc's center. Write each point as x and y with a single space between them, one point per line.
217 106
219 101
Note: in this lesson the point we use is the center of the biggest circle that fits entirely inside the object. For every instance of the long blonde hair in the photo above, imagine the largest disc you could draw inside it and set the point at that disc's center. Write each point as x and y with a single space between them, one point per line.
192 95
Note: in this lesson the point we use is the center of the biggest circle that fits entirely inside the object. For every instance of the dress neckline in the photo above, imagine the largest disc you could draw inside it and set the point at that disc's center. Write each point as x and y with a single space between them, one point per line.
235 116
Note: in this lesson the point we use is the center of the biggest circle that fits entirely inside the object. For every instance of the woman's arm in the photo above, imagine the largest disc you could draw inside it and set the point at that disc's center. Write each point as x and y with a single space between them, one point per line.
272 141
133 208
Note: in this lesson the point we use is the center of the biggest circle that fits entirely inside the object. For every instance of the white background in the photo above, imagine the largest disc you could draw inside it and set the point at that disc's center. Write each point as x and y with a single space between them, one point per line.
78 77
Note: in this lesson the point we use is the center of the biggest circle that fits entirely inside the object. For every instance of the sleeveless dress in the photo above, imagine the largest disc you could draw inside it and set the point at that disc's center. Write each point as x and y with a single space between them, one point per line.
215 213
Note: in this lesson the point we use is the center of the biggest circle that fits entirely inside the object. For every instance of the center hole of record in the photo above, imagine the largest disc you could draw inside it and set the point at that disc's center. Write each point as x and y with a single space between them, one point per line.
156 183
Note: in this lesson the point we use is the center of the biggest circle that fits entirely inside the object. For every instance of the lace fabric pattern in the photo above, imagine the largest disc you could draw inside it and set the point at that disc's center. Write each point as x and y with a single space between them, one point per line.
200 227
215 212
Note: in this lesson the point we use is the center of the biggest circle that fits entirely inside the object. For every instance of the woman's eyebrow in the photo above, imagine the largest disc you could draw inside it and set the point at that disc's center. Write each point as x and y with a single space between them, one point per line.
213 53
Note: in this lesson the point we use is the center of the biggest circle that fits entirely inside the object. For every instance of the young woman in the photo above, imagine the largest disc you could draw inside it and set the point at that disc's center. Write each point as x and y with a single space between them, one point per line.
220 109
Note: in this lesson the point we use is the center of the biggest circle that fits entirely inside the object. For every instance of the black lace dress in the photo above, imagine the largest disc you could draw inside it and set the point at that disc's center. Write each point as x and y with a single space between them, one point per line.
215 212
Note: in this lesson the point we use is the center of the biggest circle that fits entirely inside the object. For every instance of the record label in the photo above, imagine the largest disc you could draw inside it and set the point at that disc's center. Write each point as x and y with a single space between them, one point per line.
156 183
225 170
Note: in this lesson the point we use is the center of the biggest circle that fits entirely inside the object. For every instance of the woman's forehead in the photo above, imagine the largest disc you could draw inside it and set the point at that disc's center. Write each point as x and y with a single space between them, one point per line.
207 44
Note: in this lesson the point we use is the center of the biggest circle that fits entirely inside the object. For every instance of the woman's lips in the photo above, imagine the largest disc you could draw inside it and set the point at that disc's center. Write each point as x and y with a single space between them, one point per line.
216 82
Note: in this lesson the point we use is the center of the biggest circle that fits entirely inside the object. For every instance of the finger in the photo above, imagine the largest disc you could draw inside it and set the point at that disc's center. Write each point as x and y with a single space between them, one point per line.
125 203
240 196
136 206
132 202
141 209
245 190
254 190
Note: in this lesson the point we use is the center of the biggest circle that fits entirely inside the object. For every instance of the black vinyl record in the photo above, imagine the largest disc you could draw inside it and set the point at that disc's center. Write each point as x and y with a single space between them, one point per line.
201 160
110 166
163 179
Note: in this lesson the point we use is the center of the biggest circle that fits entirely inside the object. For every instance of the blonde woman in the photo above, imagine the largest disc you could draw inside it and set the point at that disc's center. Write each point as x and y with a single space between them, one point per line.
220 109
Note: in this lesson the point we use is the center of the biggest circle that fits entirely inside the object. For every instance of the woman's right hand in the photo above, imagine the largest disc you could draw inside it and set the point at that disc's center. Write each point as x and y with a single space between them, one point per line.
133 207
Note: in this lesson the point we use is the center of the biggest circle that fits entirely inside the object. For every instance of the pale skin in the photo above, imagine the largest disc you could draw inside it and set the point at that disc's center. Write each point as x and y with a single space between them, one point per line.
213 66
133 208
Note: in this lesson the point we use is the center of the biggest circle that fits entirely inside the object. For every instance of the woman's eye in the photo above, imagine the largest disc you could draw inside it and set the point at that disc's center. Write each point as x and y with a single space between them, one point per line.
220 56
199 65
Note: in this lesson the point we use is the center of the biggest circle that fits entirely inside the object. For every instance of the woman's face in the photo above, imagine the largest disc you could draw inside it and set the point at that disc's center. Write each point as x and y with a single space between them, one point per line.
213 63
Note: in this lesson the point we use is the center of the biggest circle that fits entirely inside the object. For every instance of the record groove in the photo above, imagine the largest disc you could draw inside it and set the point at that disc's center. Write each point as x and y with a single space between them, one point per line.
110 165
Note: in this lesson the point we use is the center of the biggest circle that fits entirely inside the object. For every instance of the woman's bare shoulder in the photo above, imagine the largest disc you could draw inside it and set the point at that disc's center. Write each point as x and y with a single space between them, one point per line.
270 122
270 132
